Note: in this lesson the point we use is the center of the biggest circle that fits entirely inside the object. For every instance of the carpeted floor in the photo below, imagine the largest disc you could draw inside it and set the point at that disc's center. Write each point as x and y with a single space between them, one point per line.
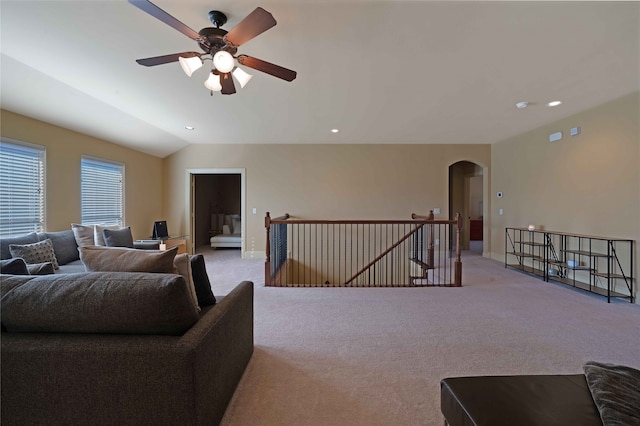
342 356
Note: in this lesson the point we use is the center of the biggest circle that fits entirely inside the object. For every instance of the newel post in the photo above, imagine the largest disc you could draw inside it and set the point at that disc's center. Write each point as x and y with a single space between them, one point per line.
267 263
430 245
458 262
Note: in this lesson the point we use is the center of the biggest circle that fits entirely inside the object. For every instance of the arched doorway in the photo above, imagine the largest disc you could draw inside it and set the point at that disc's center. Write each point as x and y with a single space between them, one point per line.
466 195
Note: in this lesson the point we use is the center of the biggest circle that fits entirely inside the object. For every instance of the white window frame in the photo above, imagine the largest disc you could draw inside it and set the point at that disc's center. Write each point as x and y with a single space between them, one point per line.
90 207
25 181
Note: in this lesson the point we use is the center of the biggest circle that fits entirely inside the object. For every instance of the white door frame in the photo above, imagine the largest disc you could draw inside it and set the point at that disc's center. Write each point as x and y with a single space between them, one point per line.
190 223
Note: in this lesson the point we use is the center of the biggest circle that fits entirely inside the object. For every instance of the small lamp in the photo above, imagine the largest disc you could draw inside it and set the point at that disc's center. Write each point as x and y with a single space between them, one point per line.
189 65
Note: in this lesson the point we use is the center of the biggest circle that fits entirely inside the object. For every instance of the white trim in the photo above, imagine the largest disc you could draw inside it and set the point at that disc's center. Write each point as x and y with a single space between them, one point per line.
262 255
217 171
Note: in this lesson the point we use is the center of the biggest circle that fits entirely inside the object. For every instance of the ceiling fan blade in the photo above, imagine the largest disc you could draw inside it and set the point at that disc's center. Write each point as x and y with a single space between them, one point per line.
267 67
252 25
228 87
160 14
165 59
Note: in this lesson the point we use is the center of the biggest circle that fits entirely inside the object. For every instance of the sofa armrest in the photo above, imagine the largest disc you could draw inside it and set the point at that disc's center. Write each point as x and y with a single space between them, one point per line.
224 337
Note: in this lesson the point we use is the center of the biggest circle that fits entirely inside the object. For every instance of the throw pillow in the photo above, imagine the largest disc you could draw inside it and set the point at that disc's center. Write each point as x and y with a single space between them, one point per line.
22 239
118 237
98 259
15 266
45 268
83 234
183 264
616 392
98 236
64 245
201 281
39 252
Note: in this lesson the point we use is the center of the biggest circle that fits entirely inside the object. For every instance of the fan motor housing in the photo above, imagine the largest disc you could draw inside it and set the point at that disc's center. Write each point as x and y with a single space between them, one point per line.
215 39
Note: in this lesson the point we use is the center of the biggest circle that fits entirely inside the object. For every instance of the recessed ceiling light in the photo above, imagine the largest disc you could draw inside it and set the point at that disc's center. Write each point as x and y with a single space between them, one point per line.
554 103
189 127
334 130
522 104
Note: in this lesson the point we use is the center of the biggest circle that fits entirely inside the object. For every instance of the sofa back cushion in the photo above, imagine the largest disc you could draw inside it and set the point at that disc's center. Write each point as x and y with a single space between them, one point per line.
109 302
117 259
64 245
22 239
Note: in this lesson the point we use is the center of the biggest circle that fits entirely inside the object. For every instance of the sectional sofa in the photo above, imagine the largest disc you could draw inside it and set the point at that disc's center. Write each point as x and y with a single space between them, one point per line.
120 348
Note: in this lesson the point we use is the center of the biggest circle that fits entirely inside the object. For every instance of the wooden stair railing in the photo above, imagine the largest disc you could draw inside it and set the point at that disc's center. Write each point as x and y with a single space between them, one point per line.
292 244
383 254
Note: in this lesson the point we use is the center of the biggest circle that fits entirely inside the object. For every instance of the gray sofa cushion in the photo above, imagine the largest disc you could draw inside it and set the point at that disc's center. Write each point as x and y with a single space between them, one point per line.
39 252
44 268
118 237
128 260
72 268
15 266
201 281
22 239
110 302
64 245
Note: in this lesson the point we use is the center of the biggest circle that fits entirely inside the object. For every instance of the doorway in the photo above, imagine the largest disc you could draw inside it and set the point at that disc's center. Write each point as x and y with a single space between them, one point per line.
212 195
466 195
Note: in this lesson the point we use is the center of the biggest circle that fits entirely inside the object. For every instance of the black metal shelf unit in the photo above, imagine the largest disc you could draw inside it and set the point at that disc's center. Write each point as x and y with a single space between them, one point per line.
597 264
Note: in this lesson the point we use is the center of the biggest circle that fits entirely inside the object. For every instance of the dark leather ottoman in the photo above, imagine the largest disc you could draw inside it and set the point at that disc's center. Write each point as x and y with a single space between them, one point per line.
518 400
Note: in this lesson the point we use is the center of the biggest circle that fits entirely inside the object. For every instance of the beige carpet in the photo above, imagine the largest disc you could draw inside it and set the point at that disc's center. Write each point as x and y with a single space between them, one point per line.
354 356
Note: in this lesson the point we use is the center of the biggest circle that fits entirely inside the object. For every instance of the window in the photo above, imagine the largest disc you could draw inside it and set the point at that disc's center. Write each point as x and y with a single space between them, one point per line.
21 188
102 192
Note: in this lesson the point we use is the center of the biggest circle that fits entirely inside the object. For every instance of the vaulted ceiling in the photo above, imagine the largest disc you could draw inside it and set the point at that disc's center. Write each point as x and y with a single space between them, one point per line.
379 71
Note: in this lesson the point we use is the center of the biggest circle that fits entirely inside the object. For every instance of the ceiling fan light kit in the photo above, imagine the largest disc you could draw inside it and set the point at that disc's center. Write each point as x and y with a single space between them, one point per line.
242 77
213 83
223 61
219 46
189 65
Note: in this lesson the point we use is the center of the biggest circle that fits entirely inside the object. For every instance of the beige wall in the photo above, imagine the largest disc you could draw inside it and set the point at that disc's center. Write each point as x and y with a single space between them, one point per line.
325 181
584 184
64 148
587 184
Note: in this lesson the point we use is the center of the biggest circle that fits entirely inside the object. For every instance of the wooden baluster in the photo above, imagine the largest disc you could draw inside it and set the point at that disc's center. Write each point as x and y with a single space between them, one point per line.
430 247
458 262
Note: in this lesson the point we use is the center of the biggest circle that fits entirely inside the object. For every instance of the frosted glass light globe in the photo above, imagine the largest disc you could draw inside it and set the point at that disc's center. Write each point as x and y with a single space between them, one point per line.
213 83
223 61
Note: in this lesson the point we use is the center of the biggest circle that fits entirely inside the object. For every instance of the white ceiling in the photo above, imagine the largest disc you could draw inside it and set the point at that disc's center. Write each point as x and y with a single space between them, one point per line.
380 71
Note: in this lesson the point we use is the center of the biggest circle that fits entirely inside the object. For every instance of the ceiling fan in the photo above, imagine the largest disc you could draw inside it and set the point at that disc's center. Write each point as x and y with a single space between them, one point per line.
220 46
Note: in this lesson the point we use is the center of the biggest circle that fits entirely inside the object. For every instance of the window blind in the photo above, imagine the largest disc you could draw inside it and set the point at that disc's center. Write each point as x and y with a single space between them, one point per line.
102 192
21 189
